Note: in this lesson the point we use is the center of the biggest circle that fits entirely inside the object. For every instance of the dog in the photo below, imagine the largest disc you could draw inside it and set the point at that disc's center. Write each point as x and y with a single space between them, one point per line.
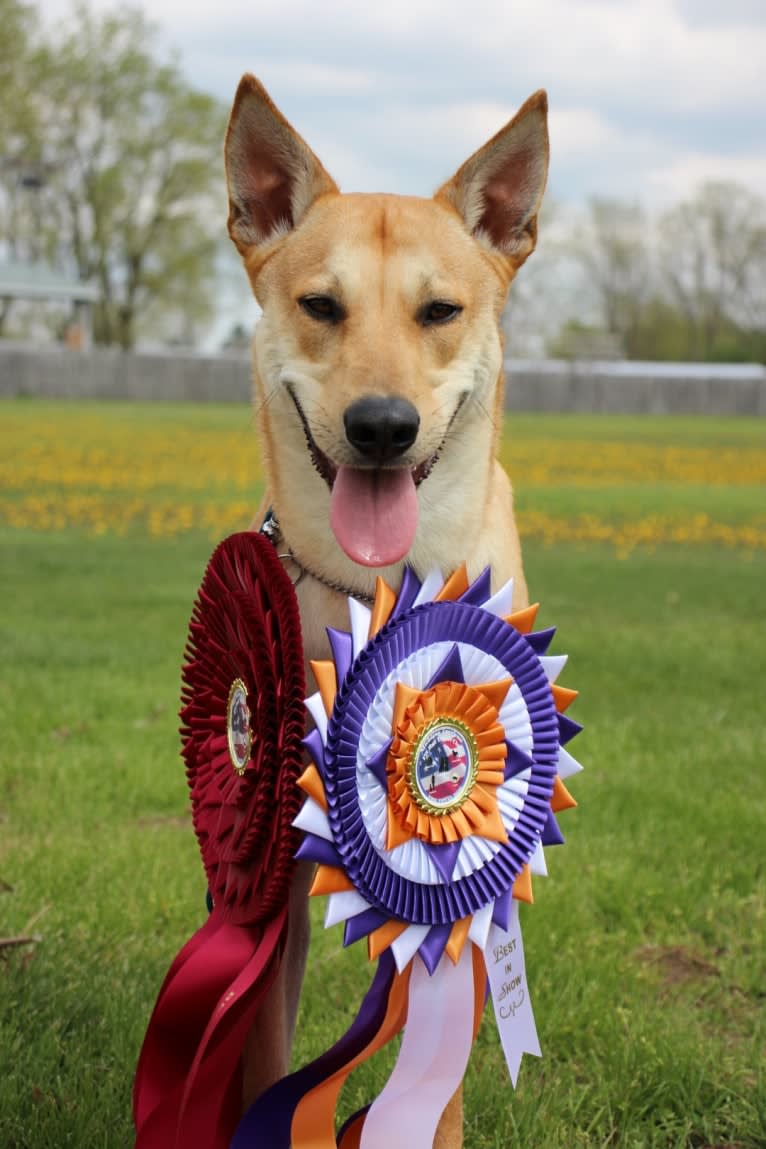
378 390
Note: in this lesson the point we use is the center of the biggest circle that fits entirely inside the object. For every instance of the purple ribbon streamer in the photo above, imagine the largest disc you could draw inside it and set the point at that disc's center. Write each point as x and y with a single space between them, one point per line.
451 670
540 640
377 764
316 849
501 911
315 746
552 835
480 590
342 647
444 857
516 760
433 945
568 729
267 1123
408 592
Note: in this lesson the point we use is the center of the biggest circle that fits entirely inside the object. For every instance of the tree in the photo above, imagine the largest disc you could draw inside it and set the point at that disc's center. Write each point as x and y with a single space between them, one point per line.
545 292
613 249
713 256
133 188
17 127
16 21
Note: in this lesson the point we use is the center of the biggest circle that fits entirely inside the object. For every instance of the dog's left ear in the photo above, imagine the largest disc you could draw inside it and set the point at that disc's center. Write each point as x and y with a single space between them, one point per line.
272 174
498 191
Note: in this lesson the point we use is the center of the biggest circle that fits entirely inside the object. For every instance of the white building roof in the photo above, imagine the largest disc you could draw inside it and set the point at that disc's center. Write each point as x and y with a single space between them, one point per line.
40 281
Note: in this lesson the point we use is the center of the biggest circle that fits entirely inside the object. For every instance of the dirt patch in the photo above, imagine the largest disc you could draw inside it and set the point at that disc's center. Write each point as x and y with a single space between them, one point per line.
678 965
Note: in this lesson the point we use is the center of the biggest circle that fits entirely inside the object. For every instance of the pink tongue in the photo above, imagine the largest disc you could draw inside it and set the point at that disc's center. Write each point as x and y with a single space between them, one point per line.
374 514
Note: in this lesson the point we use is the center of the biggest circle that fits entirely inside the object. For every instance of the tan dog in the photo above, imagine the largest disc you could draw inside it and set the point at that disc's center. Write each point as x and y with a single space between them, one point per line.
379 393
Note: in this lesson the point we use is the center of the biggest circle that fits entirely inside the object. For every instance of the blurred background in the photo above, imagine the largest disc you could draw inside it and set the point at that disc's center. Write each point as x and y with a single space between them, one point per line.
653 243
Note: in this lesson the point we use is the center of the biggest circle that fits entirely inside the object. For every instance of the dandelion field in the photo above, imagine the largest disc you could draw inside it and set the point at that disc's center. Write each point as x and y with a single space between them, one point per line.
645 540
170 469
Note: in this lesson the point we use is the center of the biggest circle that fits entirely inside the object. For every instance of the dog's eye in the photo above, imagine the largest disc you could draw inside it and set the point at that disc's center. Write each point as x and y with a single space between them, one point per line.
438 311
322 307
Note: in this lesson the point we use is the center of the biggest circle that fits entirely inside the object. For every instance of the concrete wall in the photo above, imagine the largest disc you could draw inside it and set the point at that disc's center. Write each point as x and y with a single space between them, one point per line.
547 385
636 388
103 373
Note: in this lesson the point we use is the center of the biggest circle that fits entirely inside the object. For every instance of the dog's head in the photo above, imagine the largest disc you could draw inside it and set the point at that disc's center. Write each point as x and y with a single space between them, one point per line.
378 360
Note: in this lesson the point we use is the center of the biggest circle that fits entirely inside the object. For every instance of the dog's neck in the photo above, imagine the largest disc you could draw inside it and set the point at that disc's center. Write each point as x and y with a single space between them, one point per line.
495 544
273 531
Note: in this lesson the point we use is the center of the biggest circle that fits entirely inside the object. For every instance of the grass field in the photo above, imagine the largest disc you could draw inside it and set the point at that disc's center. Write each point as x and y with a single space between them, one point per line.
646 943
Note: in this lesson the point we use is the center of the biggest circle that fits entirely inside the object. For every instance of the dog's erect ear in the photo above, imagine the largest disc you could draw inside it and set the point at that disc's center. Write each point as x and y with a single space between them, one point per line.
272 174
498 191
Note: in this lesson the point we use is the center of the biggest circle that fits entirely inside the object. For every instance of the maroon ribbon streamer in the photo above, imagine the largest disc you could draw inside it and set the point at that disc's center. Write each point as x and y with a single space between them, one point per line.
188 1087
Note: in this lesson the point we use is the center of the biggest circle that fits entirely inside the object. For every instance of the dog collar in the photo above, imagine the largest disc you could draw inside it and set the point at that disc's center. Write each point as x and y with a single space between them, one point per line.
273 531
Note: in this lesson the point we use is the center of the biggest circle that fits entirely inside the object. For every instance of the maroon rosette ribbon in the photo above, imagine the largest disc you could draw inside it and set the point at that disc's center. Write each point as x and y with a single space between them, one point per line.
242 725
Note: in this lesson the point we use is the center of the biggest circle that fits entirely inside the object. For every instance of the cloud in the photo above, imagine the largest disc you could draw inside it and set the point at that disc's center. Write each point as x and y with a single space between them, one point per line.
581 132
318 79
747 13
673 180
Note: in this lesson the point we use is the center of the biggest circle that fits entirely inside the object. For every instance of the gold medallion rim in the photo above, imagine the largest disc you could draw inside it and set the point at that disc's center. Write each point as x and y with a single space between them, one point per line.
238 684
473 770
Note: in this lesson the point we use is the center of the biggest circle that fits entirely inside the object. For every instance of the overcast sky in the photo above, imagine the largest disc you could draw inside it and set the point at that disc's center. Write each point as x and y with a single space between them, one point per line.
647 97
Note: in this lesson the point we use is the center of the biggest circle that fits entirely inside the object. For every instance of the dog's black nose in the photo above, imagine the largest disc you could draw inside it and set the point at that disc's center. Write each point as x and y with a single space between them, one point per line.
381 428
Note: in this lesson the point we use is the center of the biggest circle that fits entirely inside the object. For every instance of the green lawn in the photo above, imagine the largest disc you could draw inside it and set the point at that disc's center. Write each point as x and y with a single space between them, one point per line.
645 945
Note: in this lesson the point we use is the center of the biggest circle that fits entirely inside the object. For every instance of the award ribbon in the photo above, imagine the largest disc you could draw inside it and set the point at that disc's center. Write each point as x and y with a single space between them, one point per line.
242 728
438 767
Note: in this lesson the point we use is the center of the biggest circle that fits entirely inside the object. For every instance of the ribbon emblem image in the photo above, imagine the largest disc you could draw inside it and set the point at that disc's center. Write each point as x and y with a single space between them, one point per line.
438 766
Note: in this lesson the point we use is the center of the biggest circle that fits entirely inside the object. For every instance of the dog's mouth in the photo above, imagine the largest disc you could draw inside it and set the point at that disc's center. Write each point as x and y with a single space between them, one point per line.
373 510
324 465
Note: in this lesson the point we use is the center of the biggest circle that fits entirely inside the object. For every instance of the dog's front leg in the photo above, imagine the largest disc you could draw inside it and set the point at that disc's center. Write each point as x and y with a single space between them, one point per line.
449 1135
266 1056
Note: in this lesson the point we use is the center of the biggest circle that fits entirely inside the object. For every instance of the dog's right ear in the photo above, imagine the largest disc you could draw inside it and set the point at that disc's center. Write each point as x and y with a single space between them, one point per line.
272 174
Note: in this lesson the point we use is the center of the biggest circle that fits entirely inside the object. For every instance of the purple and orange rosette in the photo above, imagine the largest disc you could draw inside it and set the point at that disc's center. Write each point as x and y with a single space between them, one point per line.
242 729
438 766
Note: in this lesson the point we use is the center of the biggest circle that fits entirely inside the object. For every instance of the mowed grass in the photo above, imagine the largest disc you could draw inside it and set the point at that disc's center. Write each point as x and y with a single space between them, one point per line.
645 946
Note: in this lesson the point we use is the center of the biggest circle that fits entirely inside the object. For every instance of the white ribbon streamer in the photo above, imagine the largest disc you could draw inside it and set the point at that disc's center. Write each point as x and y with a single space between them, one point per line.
480 924
537 863
432 1059
501 603
432 584
312 818
407 945
360 624
504 955
342 906
566 765
316 709
553 664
